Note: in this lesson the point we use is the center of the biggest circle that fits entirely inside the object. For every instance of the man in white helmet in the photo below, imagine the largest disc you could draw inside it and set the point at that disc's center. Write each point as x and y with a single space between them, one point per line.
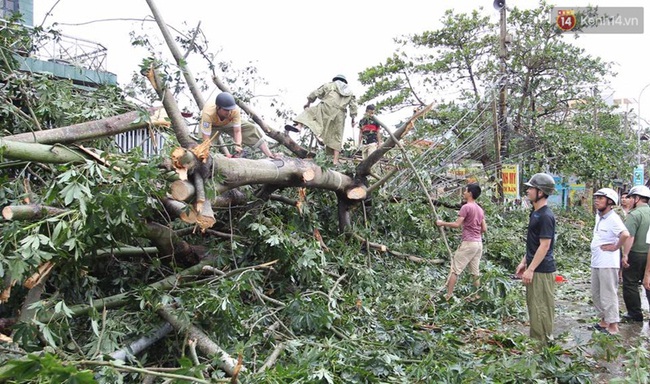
635 252
608 237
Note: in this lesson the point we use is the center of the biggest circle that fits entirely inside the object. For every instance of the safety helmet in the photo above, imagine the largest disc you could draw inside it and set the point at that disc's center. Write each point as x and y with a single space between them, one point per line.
608 193
340 77
226 101
542 181
640 190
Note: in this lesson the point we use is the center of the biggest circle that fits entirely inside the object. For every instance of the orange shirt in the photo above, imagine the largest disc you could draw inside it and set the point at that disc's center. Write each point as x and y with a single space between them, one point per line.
209 119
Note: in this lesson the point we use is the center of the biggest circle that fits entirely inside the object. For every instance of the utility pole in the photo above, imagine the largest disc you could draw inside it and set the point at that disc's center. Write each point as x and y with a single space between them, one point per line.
638 125
501 137
503 53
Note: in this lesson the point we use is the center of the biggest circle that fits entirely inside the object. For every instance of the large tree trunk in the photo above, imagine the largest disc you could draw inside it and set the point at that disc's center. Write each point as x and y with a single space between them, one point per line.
286 172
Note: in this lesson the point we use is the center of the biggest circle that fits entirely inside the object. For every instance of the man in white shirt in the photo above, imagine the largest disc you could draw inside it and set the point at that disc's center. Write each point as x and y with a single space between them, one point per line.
609 235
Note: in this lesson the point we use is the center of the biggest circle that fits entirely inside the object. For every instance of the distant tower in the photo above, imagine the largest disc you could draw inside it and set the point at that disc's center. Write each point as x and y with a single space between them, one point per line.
66 57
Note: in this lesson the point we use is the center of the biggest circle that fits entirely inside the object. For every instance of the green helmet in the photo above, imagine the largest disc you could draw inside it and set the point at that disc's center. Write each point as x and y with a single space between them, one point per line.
542 181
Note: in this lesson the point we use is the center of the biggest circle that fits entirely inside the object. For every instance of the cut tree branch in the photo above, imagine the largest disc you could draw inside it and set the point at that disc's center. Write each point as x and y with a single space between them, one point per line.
142 343
54 154
30 212
203 341
93 129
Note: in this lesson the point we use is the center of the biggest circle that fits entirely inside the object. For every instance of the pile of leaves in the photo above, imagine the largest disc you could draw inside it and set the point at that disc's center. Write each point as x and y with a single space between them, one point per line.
292 310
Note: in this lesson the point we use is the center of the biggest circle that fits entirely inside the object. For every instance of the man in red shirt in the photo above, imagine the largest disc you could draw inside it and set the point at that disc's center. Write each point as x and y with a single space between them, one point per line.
472 219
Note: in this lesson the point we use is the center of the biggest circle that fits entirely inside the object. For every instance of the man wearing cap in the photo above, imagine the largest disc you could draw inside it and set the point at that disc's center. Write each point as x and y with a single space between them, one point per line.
224 116
369 132
635 252
609 235
626 203
327 119
537 268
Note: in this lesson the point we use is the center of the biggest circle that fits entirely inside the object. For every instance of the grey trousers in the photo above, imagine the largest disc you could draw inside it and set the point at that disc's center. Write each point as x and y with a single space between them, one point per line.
604 292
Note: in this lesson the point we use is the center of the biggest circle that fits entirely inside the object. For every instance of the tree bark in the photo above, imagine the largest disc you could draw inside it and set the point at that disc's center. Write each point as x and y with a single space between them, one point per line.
33 296
203 342
30 212
168 101
90 130
142 343
168 243
42 153
287 172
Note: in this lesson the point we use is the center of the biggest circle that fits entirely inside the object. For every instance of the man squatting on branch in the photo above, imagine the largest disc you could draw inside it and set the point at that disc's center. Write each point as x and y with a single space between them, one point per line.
224 116
472 218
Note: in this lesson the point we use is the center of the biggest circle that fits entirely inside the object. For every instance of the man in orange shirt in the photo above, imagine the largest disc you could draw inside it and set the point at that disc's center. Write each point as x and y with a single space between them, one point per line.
224 116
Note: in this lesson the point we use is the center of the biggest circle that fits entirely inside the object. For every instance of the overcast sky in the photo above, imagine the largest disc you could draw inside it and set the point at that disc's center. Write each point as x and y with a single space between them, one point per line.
297 45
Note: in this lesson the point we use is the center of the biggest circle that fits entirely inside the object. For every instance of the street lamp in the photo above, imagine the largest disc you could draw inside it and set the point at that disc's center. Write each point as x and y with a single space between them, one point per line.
638 132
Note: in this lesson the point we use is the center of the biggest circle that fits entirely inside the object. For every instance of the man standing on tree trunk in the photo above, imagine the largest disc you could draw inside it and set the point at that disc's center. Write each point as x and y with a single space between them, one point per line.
224 116
537 268
327 119
369 132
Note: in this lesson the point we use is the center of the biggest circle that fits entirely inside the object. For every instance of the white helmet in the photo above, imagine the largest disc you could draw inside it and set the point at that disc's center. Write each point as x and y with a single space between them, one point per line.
608 193
640 190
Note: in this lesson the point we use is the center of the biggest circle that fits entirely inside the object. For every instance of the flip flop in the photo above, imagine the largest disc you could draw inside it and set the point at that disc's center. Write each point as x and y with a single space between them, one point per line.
597 327
291 128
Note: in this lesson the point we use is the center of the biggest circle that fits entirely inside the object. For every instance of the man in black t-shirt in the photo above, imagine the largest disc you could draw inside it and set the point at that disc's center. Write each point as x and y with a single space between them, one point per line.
537 268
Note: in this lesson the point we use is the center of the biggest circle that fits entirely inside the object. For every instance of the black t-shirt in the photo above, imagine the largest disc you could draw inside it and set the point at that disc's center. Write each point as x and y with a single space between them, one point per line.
541 226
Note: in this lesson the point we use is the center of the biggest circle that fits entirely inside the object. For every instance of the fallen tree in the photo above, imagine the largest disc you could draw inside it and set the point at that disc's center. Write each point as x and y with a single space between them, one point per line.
108 221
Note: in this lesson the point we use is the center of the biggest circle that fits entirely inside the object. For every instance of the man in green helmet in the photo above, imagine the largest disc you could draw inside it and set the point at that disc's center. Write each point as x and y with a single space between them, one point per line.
537 268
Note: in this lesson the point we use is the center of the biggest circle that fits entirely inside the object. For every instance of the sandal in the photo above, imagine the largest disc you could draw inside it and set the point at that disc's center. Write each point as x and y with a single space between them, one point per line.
597 327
